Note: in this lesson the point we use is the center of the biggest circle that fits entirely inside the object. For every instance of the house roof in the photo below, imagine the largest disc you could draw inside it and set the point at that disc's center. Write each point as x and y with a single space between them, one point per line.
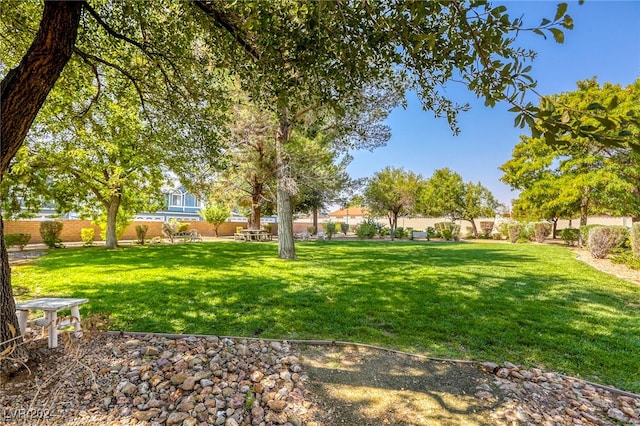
351 211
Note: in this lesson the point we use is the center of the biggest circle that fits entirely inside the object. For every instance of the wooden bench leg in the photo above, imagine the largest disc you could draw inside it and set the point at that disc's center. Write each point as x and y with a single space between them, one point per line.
75 319
52 320
22 321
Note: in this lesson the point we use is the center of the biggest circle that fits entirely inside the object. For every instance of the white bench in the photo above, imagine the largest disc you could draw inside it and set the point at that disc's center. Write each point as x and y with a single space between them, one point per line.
50 306
419 234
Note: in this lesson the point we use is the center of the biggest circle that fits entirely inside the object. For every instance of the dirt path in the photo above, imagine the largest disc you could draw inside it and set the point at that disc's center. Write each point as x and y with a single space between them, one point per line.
356 386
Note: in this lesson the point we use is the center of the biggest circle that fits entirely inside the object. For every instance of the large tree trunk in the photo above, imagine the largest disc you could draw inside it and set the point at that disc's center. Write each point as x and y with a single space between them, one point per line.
474 229
112 222
286 245
25 88
256 207
22 92
8 320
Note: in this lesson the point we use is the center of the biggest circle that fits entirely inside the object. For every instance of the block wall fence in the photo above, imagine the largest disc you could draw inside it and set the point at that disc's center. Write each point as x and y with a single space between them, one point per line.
71 229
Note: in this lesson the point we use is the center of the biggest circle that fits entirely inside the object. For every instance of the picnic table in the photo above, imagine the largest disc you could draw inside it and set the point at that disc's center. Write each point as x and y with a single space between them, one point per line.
253 235
186 236
50 306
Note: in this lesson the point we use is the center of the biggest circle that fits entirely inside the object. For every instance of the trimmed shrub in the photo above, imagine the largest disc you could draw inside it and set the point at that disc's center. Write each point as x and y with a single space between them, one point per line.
486 227
496 236
344 227
87 235
635 239
584 233
432 233
183 226
330 228
382 230
570 235
503 227
19 240
367 229
625 257
401 233
50 232
447 230
602 239
541 231
141 233
621 235
515 230
469 232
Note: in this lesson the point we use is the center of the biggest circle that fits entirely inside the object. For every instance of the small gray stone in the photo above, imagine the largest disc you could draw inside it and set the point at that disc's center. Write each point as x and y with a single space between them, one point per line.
206 382
616 414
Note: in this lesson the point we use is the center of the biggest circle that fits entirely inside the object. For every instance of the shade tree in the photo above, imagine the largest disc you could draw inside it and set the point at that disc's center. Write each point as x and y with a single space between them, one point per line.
582 176
445 194
393 192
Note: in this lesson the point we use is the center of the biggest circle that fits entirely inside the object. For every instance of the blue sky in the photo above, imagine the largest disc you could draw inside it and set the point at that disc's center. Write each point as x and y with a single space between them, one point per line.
605 42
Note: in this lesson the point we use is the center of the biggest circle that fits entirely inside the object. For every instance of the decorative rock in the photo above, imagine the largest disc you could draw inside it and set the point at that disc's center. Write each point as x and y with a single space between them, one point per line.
256 376
616 414
178 379
231 422
188 383
186 405
503 373
176 417
145 416
129 388
516 374
151 351
206 382
278 418
491 367
276 345
277 405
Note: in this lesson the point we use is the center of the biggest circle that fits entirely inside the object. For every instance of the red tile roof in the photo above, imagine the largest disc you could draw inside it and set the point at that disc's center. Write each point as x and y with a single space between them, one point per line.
351 212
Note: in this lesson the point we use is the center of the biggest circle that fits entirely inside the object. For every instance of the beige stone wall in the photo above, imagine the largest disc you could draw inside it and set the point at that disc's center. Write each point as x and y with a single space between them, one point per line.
421 223
71 229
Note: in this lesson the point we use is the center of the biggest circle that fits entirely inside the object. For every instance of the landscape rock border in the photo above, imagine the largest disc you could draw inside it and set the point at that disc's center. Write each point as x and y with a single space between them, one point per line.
142 378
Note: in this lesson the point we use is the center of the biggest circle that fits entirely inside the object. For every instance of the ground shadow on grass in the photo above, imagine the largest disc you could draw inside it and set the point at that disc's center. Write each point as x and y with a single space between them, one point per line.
490 302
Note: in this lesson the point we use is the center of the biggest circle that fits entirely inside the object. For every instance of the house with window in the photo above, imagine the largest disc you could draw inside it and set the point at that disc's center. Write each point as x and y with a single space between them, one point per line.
180 205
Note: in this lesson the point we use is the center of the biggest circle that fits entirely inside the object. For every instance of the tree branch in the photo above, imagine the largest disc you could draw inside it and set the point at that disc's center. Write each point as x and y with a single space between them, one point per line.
112 32
222 21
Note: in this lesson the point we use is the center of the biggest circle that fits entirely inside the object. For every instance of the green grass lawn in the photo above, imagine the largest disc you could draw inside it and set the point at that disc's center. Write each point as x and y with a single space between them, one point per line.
530 304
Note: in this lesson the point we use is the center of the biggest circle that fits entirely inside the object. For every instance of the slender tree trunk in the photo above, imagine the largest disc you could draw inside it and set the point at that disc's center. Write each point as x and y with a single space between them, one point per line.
286 245
584 211
555 227
112 222
22 92
394 226
315 218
